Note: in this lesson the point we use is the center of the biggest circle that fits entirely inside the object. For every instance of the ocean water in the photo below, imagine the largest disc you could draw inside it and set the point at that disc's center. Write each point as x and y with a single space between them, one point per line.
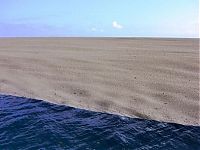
35 124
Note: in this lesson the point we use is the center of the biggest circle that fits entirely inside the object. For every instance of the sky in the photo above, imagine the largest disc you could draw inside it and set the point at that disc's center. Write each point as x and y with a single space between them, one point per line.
99 18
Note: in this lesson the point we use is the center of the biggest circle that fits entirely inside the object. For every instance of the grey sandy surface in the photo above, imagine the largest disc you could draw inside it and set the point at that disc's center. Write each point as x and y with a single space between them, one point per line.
139 77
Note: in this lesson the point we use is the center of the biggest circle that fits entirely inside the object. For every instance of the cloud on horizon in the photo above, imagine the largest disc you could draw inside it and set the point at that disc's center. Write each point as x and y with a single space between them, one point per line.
116 25
94 29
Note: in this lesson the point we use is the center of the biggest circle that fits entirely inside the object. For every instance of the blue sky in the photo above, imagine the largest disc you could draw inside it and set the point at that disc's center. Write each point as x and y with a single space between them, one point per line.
132 18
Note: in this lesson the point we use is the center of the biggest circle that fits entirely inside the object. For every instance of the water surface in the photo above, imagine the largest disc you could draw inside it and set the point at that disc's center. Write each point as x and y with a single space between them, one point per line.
33 124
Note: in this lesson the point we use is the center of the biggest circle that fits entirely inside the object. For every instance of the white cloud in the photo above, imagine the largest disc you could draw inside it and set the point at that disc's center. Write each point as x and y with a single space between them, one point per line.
116 25
94 29
101 30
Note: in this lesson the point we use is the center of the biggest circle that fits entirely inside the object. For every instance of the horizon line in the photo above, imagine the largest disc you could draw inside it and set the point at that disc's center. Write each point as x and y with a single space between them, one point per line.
172 37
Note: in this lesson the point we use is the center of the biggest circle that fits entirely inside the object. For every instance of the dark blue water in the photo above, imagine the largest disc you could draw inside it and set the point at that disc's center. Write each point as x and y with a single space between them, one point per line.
35 124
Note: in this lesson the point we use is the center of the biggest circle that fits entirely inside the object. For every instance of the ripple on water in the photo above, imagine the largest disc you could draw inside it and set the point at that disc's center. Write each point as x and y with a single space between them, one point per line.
32 124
